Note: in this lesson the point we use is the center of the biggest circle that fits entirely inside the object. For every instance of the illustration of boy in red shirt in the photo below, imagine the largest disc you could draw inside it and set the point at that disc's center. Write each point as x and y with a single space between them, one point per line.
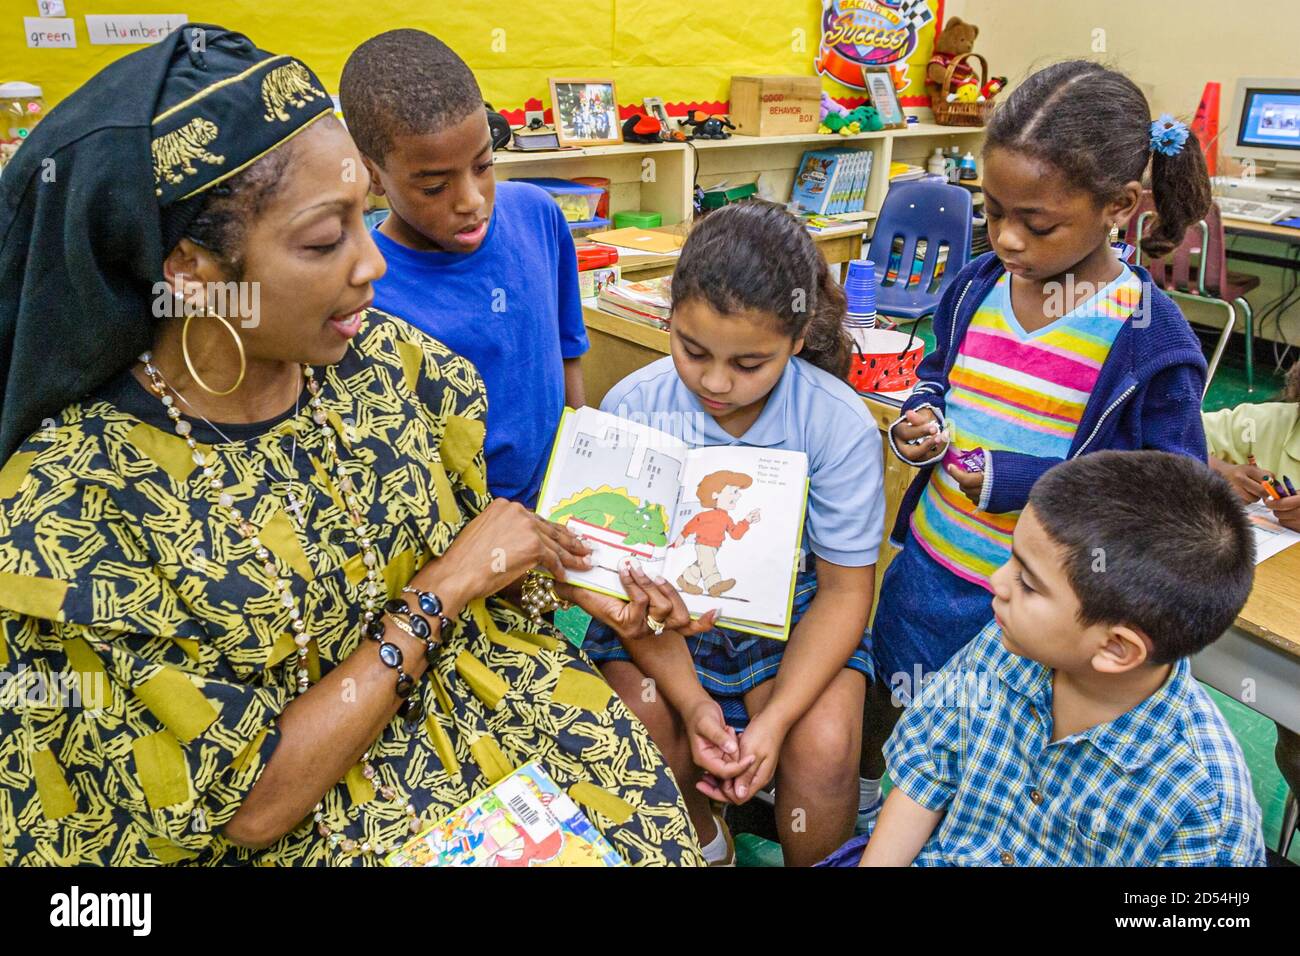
719 492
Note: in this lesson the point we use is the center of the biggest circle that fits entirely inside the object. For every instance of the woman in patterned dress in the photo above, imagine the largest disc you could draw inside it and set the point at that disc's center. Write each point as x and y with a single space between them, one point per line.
187 571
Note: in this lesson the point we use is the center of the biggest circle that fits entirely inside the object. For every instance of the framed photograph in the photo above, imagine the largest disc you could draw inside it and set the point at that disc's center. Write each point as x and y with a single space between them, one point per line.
586 112
654 106
883 96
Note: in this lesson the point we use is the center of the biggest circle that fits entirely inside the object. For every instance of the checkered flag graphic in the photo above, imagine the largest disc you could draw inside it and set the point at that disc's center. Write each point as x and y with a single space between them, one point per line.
915 13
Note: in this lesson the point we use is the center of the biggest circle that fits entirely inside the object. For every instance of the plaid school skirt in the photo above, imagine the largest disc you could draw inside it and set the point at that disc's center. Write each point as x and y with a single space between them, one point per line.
730 663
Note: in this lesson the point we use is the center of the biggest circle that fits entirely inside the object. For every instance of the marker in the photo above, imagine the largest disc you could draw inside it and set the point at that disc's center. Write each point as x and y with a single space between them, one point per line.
1272 492
1290 488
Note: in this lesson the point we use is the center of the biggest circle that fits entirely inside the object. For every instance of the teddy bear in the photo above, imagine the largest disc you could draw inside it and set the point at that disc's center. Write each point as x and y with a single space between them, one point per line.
956 38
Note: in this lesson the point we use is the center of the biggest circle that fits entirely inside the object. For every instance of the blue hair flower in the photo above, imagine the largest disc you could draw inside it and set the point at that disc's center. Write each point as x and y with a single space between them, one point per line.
1168 135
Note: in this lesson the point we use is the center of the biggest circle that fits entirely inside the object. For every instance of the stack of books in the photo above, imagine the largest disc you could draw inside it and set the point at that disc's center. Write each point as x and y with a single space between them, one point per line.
832 181
649 301
903 172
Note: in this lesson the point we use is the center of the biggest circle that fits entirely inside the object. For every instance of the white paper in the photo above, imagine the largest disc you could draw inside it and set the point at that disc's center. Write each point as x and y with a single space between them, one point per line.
1270 537
51 8
756 559
50 33
136 29
614 484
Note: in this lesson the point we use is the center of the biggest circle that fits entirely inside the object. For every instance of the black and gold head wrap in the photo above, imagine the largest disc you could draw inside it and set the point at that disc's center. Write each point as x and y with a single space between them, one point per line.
105 187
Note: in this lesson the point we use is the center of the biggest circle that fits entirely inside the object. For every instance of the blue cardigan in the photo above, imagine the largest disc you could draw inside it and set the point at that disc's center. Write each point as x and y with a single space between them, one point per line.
1147 395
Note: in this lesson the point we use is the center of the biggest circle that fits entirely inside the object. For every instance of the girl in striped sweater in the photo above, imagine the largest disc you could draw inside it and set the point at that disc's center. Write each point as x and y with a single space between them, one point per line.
1046 348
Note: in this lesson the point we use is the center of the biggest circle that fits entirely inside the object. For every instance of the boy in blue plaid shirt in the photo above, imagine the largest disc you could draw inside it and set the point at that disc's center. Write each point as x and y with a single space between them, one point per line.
1071 731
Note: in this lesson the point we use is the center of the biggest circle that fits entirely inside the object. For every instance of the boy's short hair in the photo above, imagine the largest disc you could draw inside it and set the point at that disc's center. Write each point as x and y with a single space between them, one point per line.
712 484
404 82
1154 541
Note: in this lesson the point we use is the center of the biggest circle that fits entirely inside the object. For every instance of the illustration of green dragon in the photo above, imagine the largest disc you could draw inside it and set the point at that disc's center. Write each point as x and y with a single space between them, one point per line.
640 524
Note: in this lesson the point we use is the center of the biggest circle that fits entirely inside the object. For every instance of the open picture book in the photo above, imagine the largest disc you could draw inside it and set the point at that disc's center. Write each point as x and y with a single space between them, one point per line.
723 524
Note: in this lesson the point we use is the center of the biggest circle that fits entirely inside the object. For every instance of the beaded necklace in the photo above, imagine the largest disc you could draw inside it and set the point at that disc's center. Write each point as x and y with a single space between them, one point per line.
370 591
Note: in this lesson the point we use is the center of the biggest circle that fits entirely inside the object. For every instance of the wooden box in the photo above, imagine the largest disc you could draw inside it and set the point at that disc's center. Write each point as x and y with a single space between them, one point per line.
775 105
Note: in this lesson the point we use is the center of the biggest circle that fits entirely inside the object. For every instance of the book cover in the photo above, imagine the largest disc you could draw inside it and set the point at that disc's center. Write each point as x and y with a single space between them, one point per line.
815 181
523 820
723 524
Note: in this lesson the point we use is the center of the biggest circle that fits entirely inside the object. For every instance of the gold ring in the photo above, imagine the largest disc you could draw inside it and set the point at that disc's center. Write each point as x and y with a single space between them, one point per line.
656 627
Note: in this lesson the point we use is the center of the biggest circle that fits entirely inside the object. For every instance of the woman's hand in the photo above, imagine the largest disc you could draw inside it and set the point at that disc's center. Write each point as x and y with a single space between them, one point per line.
496 548
922 427
647 597
971 483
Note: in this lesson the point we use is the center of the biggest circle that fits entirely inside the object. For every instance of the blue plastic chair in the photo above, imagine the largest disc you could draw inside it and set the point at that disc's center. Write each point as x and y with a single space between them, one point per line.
938 214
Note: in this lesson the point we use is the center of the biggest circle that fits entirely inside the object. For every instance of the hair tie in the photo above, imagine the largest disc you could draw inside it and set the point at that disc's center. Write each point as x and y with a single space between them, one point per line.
1168 135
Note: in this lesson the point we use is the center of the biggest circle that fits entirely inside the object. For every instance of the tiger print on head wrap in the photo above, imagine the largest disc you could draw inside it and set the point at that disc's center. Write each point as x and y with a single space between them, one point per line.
105 187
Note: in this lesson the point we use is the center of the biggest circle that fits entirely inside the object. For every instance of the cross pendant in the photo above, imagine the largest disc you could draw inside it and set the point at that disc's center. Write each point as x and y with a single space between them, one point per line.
295 506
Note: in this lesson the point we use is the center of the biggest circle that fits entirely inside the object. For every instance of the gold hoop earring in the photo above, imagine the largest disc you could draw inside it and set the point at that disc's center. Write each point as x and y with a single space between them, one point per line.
185 353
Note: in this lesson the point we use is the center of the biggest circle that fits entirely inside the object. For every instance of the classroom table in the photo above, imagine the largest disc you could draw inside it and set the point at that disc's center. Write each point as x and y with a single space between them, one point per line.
1257 661
1262 230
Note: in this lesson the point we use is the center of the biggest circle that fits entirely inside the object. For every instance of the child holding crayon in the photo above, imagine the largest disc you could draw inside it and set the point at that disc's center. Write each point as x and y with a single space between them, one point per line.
1257 448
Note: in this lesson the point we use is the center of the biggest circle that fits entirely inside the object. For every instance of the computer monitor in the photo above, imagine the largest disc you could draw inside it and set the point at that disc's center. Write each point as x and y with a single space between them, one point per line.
1264 126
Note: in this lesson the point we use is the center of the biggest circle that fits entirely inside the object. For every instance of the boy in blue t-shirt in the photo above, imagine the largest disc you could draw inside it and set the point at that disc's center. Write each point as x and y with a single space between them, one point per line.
488 269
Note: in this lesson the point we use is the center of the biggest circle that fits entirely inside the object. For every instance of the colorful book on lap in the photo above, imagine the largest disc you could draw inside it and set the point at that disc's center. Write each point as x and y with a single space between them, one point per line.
523 820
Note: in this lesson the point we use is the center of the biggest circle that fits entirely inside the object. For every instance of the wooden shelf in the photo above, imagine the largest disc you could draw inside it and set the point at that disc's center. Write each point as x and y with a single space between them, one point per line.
661 177
510 157
917 129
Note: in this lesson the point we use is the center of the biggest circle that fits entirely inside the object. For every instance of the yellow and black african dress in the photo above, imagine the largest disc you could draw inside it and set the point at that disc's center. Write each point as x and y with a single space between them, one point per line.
146 654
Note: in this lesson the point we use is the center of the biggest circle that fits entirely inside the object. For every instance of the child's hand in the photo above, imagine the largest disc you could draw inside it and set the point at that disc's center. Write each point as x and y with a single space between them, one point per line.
714 746
1286 511
1245 481
762 742
970 482
921 427
753 516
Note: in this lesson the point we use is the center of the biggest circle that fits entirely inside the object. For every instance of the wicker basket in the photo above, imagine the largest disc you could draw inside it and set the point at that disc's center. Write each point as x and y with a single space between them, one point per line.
960 114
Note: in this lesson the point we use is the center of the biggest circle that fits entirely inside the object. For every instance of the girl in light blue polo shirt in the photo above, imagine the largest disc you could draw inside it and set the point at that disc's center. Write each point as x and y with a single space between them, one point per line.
758 358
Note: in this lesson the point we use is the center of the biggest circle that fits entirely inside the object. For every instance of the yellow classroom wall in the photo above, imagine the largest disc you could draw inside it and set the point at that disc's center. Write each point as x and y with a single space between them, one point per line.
686 52
681 51
1171 48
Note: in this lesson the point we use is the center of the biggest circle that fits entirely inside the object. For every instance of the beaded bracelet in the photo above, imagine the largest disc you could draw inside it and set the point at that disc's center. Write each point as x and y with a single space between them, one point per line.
539 597
430 603
412 707
414 625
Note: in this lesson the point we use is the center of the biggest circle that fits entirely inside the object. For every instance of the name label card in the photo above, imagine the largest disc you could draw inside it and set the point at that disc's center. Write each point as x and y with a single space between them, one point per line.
50 33
138 29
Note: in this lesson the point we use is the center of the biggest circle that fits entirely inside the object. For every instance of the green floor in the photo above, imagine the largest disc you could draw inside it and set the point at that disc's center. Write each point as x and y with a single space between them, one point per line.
1256 734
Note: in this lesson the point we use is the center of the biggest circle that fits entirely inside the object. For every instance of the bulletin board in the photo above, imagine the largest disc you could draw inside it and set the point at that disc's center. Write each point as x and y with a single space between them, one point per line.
680 50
